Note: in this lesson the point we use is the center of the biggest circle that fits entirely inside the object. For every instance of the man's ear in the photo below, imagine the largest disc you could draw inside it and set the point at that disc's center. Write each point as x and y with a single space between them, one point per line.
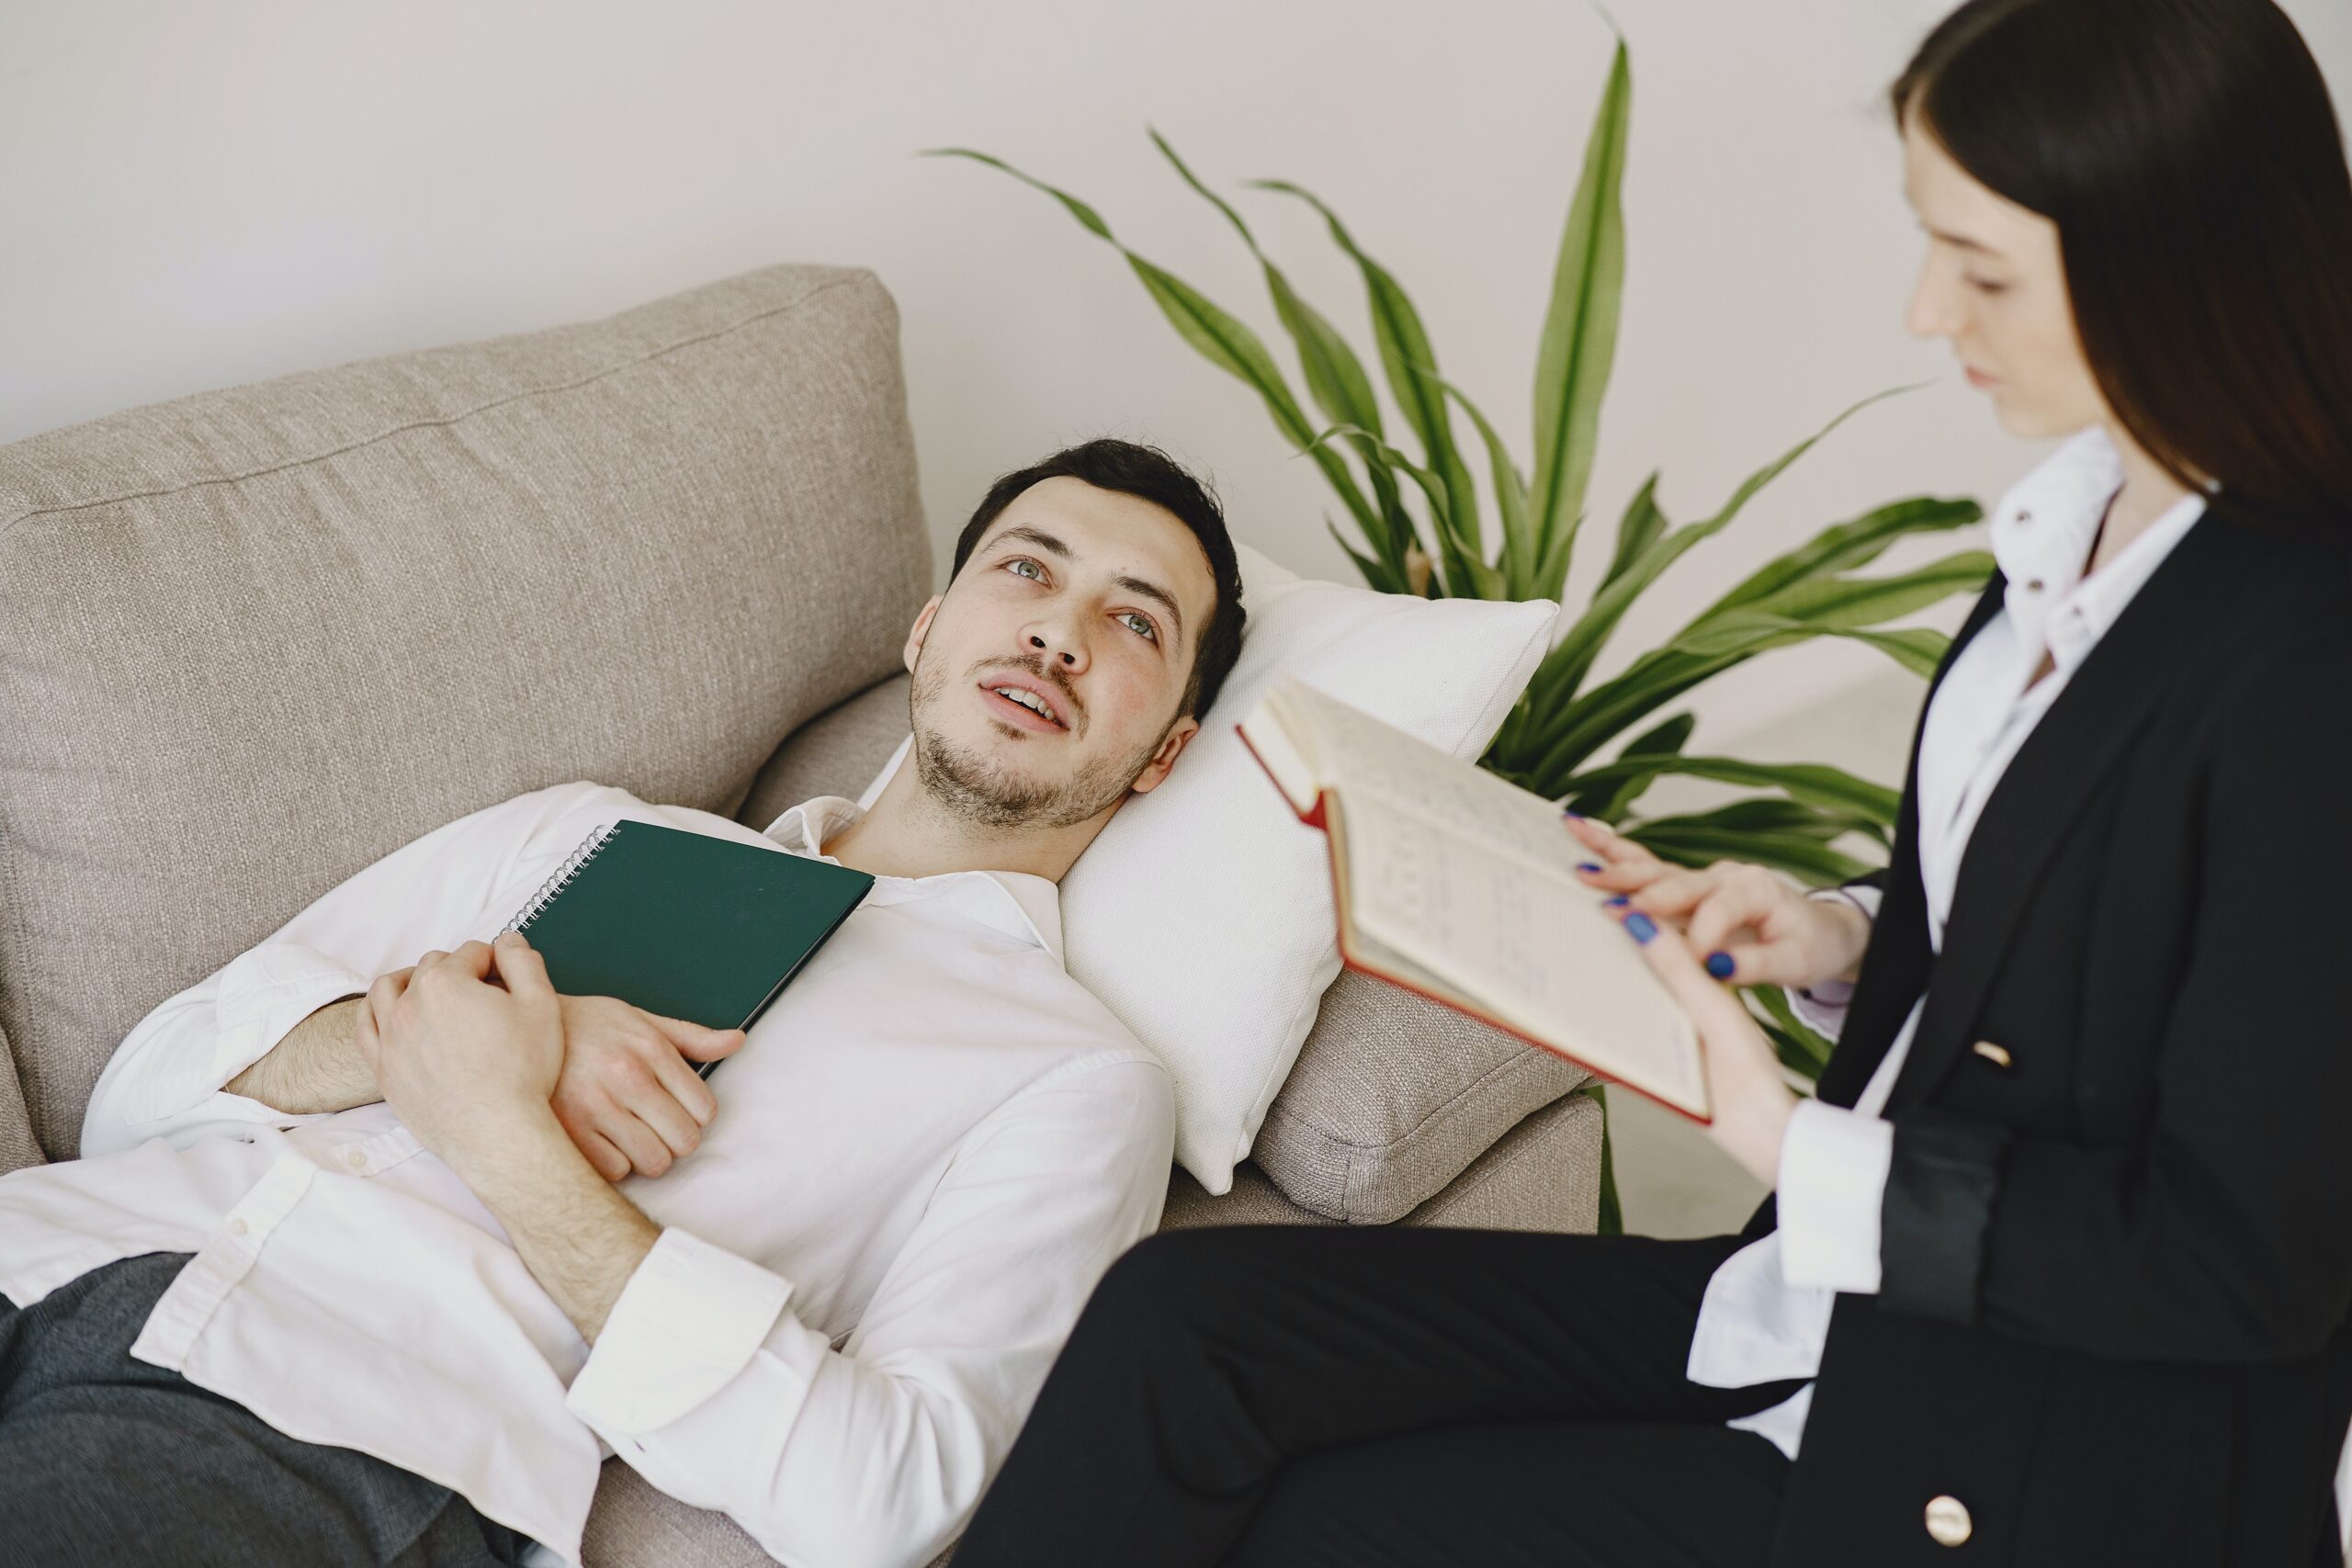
1165 758
921 629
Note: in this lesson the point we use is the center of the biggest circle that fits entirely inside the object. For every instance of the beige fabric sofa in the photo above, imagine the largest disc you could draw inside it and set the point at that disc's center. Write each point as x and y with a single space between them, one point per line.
253 640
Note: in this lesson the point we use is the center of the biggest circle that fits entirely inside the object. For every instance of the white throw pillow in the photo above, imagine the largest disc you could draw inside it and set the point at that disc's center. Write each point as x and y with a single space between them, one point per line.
1202 915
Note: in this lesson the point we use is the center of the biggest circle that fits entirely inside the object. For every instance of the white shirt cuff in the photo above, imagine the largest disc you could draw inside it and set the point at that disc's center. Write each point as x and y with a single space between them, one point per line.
690 1319
264 993
1832 1190
1823 1008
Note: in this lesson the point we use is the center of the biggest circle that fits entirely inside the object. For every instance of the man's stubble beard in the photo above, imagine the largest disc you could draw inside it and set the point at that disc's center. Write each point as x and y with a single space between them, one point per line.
973 786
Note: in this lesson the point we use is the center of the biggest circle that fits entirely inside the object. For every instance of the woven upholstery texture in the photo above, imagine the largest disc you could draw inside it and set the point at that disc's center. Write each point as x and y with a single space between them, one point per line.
259 638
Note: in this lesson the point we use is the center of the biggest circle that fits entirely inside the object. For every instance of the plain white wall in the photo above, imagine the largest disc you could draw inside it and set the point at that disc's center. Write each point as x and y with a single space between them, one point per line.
196 196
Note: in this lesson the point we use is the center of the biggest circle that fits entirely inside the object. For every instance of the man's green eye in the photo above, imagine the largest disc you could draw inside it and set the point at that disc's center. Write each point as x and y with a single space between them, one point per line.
1035 571
1141 624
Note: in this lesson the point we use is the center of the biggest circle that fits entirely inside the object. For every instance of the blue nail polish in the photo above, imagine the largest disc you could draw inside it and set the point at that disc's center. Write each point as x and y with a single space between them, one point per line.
1587 867
1617 903
1642 927
1720 966
1572 815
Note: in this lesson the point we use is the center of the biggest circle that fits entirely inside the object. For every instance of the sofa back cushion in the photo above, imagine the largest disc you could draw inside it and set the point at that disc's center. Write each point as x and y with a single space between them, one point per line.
257 639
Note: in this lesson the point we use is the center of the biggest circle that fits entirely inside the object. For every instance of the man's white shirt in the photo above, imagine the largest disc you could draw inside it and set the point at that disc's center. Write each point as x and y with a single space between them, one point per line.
925 1155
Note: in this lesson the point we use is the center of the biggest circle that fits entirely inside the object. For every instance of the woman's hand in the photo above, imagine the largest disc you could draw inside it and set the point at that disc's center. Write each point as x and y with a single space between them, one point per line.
629 1097
1750 1100
1748 925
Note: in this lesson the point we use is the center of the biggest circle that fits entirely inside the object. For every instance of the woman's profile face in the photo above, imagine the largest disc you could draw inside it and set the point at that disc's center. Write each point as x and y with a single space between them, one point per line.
1993 285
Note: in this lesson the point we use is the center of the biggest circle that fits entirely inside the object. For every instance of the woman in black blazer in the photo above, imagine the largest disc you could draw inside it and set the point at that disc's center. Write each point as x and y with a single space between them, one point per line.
2060 1270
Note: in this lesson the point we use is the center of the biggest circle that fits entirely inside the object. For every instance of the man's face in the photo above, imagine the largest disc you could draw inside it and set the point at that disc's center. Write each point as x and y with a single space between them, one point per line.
1085 603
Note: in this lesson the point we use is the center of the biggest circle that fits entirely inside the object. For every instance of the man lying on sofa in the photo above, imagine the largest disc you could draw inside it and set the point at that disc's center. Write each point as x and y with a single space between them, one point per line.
413 1289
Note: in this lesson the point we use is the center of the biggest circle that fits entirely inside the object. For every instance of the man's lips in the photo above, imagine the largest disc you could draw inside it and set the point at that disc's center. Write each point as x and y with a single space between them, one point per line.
1017 713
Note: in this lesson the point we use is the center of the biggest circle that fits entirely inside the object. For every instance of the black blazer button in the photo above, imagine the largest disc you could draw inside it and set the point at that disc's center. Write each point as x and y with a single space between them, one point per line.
1997 1055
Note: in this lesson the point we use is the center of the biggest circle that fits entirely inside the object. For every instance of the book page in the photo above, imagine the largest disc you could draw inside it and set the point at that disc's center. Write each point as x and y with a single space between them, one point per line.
1539 954
1357 754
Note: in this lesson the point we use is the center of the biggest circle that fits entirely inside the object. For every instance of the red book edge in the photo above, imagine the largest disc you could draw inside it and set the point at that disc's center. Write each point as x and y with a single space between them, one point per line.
1315 817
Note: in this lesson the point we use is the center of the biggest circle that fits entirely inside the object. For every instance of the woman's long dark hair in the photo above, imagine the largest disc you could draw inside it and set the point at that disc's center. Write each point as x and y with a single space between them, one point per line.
2189 155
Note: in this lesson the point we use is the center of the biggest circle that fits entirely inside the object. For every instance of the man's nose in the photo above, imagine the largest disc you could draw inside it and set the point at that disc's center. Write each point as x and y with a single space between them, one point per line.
1060 646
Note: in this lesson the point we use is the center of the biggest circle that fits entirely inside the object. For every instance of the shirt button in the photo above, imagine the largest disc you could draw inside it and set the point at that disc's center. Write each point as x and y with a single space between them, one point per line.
237 1226
355 1158
2033 586
1948 1521
2024 516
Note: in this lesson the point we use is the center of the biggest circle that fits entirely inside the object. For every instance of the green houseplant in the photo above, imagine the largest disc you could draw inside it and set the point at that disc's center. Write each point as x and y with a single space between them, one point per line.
1418 528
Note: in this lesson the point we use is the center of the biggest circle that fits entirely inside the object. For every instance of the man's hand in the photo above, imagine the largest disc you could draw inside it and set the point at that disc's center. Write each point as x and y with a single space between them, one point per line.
466 1061
627 1095
467 1046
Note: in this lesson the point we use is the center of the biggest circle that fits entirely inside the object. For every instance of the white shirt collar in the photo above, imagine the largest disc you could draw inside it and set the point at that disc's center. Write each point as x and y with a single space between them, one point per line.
2042 538
1036 906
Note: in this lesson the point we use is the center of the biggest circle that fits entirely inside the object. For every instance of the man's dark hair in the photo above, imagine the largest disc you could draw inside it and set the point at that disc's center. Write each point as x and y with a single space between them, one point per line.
1148 474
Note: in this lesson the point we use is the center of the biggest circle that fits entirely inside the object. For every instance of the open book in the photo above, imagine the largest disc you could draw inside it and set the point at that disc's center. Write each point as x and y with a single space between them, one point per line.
1458 886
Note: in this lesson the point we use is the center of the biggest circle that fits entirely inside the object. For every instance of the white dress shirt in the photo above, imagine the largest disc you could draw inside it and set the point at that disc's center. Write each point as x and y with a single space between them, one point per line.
1765 1315
925 1155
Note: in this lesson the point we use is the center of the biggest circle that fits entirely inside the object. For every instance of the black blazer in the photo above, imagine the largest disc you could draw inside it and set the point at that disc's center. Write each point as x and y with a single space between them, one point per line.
2118 1238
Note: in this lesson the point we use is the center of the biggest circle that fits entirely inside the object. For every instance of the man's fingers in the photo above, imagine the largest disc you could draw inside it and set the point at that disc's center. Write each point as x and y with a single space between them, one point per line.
697 1043
364 1032
385 991
473 957
598 1150
520 965
648 1154
685 1087
679 1132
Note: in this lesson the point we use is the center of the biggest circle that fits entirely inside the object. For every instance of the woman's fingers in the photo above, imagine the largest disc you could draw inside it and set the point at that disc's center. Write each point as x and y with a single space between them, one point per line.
1618 864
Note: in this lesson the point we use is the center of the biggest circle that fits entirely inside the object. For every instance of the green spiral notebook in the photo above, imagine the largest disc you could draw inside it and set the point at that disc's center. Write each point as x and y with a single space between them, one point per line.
685 924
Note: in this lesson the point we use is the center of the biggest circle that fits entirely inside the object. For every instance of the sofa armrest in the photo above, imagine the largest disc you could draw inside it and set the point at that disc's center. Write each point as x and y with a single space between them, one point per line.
17 1147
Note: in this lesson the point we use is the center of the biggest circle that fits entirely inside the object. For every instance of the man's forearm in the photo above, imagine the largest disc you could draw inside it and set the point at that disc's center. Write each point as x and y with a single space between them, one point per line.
316 1067
579 1239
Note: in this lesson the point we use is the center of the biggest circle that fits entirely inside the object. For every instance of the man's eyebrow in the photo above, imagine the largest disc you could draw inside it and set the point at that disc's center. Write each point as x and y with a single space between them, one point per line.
1142 587
1037 536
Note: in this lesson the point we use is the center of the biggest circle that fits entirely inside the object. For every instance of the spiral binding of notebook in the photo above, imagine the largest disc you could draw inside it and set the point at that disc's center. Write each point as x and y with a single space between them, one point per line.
563 878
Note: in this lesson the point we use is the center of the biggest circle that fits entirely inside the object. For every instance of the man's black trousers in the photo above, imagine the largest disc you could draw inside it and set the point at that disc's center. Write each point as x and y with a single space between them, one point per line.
1285 1398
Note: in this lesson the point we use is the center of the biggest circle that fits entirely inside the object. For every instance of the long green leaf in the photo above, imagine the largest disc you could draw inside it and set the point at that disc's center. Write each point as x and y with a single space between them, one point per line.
1564 668
1467 576
1839 601
1218 336
1851 545
1406 357
1765 814
1611 799
1510 501
1335 377
1816 783
1801 1049
1638 530
1578 347
1804 857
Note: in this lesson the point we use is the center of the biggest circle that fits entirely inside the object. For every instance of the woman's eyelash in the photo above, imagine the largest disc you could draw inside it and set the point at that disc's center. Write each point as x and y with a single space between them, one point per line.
1983 287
